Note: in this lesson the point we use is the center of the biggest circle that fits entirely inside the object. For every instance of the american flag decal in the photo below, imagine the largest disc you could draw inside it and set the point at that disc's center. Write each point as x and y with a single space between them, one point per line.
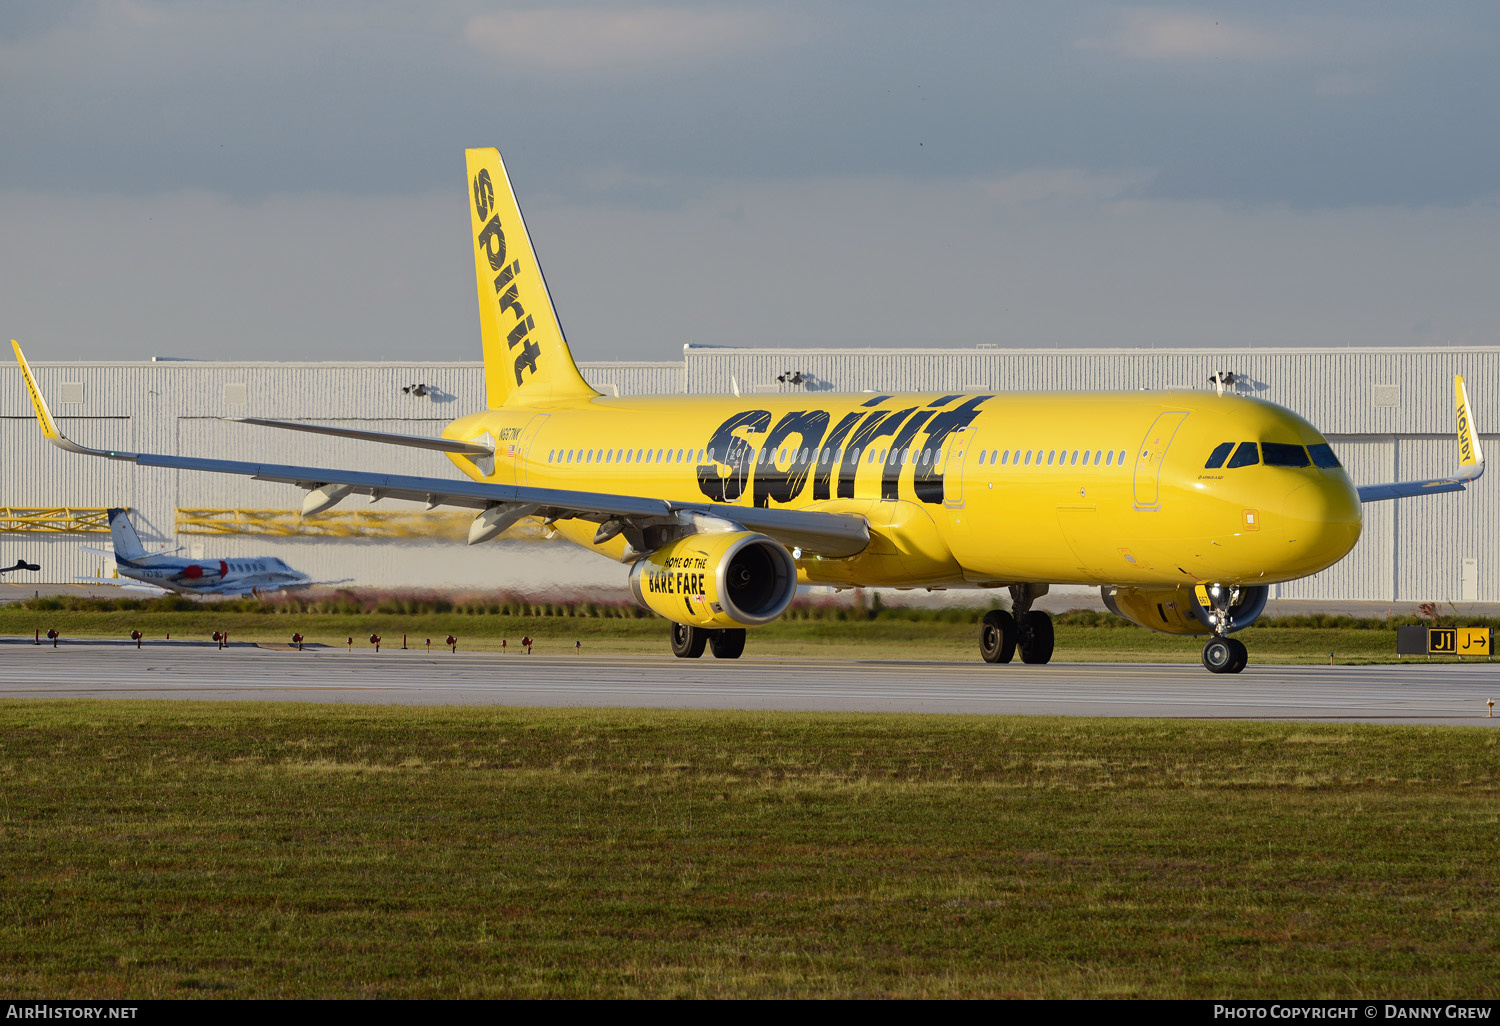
511 450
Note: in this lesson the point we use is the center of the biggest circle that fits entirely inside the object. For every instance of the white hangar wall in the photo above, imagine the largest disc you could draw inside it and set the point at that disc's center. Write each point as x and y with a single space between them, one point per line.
1387 411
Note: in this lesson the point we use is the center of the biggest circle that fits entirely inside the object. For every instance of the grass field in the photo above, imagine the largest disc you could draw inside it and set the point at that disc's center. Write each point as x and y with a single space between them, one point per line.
180 849
948 634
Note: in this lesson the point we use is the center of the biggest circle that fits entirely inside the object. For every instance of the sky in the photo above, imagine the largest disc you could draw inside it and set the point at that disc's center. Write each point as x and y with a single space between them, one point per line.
280 180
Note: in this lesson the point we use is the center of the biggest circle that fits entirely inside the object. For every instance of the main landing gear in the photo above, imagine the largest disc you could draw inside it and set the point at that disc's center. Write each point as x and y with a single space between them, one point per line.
1223 654
1030 630
689 642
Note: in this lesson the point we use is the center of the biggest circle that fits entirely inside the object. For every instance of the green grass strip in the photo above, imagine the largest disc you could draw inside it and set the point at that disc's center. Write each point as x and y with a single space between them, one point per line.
173 849
934 634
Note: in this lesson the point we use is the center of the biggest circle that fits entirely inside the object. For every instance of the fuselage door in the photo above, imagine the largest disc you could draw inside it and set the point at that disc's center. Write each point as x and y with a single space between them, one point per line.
960 459
1152 455
524 456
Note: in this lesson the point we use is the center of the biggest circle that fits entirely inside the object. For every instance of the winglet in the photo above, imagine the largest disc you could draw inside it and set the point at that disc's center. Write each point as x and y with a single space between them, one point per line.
1468 438
50 429
1470 458
43 415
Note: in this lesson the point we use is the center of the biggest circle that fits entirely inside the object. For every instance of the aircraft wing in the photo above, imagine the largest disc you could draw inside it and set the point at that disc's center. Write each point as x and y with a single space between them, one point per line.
828 534
1471 458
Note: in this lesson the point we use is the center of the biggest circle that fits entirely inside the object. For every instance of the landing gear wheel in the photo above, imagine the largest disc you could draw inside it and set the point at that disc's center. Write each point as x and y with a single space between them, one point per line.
1241 656
1219 655
688 642
1036 637
997 636
728 643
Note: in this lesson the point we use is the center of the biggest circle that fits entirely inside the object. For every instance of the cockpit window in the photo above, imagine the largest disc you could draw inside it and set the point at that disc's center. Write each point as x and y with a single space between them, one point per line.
1218 456
1283 454
1245 456
1322 456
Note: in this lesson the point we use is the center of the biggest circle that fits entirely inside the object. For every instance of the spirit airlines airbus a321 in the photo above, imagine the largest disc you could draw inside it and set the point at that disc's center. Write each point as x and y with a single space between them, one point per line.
1183 507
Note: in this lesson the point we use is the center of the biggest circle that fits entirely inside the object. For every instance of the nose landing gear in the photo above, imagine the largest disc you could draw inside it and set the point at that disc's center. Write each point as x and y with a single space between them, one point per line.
1223 654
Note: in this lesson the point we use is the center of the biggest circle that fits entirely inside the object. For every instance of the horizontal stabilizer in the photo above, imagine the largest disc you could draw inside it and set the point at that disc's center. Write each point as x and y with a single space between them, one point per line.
414 441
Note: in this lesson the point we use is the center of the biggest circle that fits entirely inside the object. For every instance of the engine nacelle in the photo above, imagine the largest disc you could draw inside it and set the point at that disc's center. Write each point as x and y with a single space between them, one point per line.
717 579
1182 610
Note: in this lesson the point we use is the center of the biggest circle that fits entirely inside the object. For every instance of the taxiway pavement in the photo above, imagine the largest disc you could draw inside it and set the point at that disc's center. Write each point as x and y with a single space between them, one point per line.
1408 693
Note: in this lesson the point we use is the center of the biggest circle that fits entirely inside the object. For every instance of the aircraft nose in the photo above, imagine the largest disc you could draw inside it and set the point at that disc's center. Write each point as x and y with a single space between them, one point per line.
1321 521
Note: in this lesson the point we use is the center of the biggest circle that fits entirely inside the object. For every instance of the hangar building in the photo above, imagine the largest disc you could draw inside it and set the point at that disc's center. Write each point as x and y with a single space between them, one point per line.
1387 411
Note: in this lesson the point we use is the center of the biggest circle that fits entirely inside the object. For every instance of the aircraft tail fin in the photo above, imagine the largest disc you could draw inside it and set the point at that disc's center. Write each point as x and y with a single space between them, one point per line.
127 544
526 356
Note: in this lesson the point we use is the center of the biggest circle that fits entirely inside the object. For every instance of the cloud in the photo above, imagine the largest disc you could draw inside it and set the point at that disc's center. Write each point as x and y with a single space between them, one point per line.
592 39
1345 83
1158 35
1058 258
1060 185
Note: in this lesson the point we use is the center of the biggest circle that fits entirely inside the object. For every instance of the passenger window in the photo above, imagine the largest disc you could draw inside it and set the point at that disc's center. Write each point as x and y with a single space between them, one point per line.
1028 457
1122 457
710 456
982 455
1218 456
1322 456
1004 457
1097 454
550 455
1085 457
1074 461
1245 456
1109 458
926 454
1283 454
1050 456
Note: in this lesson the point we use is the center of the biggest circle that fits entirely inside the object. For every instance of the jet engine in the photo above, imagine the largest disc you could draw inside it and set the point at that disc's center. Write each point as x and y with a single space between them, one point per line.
1183 610
717 580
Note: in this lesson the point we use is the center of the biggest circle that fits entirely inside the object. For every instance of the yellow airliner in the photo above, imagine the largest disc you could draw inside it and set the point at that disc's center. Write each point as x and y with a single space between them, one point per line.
1184 507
